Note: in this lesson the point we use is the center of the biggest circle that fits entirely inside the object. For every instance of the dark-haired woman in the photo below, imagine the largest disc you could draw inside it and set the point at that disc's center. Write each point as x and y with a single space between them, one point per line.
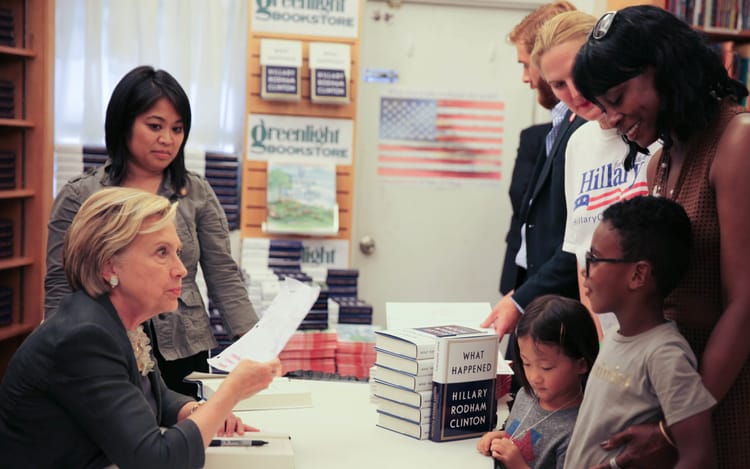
146 128
657 78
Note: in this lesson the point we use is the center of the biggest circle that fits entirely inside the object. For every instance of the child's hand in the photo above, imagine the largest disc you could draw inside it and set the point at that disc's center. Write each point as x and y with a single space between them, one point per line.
505 451
484 443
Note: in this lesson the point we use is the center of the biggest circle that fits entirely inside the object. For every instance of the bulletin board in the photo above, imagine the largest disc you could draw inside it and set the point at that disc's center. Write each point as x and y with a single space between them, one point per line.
254 209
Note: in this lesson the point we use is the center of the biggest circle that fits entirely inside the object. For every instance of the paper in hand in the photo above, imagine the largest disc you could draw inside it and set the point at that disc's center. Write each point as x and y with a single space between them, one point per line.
279 322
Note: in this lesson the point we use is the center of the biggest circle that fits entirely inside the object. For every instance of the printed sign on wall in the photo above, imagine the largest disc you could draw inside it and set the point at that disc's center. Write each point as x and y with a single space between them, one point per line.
334 18
304 138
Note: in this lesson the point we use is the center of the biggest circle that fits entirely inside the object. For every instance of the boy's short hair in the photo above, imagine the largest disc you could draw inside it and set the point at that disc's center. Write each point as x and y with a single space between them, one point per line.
657 230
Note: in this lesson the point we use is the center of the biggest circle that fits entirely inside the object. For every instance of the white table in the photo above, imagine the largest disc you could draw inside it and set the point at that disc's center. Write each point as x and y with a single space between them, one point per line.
339 432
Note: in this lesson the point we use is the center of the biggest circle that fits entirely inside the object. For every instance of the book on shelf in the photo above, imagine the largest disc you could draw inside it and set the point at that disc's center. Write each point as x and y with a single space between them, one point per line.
405 427
420 415
463 389
301 198
416 342
282 393
404 396
404 380
276 453
421 367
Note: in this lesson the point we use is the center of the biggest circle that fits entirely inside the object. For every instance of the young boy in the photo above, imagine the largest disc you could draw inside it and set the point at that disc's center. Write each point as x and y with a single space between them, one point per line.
645 371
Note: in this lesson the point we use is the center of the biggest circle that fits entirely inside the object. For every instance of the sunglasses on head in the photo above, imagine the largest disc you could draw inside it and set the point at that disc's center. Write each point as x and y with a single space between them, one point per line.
601 28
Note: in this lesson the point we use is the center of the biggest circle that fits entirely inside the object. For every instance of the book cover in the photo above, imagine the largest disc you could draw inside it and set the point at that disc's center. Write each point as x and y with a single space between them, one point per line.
404 380
420 415
404 396
463 388
421 367
416 342
301 199
405 427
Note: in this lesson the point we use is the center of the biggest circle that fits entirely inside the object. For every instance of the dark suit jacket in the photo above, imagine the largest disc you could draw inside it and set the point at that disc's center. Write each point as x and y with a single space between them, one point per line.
72 398
549 269
530 147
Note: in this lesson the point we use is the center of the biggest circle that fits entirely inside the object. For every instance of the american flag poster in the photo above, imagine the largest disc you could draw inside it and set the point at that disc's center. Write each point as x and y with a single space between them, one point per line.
440 139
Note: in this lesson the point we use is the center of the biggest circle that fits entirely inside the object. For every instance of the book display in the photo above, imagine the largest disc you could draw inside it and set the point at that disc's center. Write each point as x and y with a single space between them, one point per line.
403 375
463 390
26 159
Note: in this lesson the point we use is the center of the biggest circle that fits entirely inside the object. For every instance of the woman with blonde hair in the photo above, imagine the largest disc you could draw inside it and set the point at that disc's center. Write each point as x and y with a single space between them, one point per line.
600 168
83 390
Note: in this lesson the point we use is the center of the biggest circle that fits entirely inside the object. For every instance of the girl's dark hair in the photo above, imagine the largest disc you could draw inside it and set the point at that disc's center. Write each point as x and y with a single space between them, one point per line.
690 77
657 230
559 321
135 94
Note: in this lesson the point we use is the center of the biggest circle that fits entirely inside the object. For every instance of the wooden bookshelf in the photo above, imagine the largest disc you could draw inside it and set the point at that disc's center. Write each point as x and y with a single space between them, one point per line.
28 64
254 210
714 33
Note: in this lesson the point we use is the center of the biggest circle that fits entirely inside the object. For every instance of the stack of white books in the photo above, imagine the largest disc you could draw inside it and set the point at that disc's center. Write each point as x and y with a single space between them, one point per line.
402 381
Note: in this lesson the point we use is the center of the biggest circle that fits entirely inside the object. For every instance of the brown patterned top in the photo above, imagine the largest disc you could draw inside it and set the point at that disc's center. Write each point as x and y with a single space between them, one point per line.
696 304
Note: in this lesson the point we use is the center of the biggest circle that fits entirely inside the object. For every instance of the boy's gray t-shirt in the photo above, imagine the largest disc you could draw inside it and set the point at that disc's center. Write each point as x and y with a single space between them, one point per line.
636 379
541 435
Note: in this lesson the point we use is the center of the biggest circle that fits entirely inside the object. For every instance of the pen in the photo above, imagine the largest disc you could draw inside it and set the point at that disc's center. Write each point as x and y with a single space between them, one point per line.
216 442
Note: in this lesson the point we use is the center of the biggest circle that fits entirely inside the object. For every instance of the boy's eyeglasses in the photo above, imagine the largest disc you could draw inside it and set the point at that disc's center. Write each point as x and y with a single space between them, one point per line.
592 259
601 28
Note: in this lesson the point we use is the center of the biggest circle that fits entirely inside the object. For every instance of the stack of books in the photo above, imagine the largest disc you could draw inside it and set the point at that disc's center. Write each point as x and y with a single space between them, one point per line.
342 283
310 351
403 380
218 329
6 306
355 350
7 27
94 157
6 238
7 169
352 310
317 318
223 174
265 262
7 99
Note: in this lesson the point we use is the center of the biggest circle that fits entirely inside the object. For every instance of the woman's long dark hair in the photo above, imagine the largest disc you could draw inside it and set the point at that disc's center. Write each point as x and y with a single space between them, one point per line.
690 77
135 94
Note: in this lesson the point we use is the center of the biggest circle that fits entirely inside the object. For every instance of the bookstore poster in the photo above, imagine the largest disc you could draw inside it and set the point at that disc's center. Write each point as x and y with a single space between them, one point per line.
440 137
330 18
304 139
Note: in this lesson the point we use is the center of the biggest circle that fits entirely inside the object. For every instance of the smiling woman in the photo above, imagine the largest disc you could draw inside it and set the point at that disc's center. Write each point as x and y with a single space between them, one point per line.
658 78
147 126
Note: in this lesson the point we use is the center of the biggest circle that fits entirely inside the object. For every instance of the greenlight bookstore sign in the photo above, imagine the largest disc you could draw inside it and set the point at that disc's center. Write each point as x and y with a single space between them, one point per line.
303 138
336 18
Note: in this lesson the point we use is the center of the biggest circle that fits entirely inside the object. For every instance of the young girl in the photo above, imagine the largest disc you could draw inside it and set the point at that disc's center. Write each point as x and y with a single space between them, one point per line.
557 343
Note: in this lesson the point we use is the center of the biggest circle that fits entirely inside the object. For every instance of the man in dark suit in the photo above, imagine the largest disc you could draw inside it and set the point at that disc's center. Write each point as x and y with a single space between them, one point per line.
541 265
530 147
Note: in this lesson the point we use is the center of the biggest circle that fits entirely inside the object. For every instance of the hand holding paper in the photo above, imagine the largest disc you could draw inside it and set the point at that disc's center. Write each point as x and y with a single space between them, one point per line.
269 336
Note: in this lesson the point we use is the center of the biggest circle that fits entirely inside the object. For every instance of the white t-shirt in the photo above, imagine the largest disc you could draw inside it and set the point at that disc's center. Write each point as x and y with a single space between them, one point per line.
595 179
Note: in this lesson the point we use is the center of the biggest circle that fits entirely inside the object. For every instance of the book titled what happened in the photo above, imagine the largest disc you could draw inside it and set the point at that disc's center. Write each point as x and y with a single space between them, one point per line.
463 388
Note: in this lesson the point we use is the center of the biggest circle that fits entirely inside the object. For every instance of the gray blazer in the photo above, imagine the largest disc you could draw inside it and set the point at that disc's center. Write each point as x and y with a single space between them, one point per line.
72 397
204 232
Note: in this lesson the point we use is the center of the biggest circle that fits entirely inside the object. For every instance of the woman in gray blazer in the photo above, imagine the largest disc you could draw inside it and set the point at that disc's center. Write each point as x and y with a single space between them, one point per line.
83 390
147 125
